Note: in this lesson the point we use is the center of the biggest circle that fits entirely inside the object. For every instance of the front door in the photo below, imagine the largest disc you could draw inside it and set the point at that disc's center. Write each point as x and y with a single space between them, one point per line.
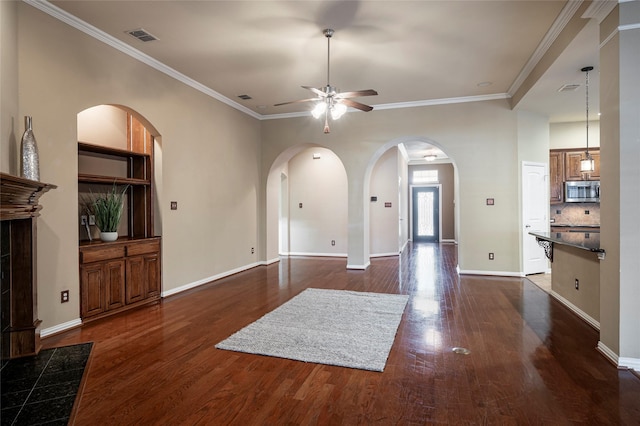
426 214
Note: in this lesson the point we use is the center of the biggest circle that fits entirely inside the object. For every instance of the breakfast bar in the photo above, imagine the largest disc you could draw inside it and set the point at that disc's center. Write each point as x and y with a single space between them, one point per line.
575 270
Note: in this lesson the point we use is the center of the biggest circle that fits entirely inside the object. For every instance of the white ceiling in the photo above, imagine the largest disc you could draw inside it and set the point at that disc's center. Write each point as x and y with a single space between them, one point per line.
409 51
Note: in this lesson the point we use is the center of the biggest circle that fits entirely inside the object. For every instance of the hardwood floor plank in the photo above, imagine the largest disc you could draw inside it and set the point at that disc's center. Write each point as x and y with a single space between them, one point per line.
531 360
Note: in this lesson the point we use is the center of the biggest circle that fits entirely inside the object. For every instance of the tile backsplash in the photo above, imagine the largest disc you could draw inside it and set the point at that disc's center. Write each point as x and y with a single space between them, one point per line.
575 214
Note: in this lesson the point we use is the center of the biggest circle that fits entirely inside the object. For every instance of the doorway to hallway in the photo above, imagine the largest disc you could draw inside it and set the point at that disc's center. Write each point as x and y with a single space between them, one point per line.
425 222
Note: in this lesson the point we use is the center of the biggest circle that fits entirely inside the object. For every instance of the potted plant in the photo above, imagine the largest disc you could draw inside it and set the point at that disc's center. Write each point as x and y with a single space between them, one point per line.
107 208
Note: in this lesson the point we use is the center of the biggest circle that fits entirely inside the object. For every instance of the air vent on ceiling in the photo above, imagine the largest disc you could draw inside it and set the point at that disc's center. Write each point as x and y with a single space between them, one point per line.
142 35
245 97
571 87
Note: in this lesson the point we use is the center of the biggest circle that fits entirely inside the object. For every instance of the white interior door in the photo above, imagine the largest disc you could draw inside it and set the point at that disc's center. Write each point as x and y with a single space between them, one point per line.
535 215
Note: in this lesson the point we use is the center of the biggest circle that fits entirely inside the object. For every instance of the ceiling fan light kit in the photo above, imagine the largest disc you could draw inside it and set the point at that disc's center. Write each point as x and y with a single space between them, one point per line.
329 100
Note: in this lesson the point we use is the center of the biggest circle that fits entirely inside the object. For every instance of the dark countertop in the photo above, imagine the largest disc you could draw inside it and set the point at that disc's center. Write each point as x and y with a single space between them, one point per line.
564 225
583 240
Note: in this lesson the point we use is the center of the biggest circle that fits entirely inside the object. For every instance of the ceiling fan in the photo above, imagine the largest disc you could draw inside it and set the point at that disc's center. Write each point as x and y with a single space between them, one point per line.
331 100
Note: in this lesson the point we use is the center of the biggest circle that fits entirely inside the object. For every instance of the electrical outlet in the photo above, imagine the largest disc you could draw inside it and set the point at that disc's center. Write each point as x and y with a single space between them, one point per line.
491 256
333 242
64 296
83 220
92 219
577 284
253 250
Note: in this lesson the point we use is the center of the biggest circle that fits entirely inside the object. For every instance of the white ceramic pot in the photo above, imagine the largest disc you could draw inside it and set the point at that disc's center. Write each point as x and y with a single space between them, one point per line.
108 236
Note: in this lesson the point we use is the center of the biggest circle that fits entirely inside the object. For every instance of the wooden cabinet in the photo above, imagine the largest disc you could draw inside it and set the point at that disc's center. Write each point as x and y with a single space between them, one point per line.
595 174
564 165
118 276
572 165
120 167
556 177
115 276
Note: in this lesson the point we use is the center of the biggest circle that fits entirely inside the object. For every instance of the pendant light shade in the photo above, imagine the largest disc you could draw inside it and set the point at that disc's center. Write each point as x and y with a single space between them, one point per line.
587 164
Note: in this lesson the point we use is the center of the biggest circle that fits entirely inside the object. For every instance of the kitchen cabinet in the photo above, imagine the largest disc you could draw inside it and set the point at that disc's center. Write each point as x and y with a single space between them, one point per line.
556 177
572 165
118 276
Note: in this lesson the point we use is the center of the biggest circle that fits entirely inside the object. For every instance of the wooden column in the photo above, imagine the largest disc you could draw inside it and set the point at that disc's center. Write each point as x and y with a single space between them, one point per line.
19 210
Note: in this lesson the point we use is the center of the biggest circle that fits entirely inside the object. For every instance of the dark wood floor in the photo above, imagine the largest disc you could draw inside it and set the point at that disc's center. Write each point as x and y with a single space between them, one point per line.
532 361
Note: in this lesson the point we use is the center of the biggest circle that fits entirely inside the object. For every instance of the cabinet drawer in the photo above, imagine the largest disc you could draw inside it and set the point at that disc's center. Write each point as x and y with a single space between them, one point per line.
143 248
88 255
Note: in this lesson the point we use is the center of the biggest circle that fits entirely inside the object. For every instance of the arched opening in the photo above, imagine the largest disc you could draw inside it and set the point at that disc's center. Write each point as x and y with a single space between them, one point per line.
391 172
120 128
307 204
119 172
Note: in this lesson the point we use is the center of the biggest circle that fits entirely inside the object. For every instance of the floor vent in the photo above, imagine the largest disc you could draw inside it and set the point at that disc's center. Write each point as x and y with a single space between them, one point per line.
245 97
142 35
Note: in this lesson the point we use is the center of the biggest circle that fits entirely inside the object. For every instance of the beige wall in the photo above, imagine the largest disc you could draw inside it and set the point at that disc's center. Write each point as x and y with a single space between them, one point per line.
321 186
480 137
569 264
574 135
620 153
383 225
216 160
11 123
211 157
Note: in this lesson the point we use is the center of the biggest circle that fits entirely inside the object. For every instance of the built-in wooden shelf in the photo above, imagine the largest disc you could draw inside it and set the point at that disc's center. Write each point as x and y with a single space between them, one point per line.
86 178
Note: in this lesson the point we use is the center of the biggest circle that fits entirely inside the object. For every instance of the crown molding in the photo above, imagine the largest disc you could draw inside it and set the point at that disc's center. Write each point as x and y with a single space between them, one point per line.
599 9
398 105
443 101
556 28
100 35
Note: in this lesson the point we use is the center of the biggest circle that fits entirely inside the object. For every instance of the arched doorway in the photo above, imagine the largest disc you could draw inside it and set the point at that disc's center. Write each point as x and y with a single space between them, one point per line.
306 204
403 162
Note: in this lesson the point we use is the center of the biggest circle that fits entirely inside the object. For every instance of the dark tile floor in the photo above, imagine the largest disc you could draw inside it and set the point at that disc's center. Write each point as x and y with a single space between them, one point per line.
42 389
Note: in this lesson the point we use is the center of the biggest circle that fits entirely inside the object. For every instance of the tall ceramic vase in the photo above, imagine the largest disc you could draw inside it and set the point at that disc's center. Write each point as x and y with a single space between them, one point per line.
29 165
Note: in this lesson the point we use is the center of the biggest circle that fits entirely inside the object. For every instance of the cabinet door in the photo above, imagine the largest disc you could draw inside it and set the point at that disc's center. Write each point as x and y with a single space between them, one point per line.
136 288
572 166
556 177
595 174
152 274
92 290
114 280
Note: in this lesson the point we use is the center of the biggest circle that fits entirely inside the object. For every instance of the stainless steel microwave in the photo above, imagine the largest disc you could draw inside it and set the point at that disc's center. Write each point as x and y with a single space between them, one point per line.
584 191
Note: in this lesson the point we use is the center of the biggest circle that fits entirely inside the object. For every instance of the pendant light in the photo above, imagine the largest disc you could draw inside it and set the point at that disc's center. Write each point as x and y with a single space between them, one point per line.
587 164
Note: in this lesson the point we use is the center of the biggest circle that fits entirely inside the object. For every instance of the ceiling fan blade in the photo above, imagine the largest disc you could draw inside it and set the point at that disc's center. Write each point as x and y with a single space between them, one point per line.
316 91
357 105
295 102
356 94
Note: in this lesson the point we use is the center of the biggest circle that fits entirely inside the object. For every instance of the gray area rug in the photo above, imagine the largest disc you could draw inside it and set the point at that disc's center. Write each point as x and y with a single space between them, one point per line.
336 327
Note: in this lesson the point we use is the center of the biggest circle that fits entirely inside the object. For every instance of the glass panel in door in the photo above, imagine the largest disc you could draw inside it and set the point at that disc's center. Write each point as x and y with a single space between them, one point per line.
426 214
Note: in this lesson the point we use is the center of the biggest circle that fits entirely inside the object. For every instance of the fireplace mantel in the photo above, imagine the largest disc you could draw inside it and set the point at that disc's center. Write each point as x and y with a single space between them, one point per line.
19 210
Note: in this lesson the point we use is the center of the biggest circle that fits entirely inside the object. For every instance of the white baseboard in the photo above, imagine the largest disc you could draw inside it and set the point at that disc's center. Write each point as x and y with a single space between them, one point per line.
49 331
383 254
207 280
607 353
298 253
270 261
359 267
632 363
494 273
591 321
